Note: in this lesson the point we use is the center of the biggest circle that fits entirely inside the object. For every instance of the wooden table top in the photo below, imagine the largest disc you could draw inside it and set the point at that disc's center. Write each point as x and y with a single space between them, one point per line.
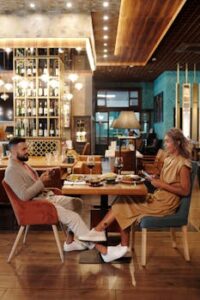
106 189
40 162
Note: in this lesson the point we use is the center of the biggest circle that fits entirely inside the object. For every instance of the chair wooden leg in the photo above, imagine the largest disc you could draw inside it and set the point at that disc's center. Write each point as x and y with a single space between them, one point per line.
25 233
132 238
21 229
173 237
144 247
55 231
185 243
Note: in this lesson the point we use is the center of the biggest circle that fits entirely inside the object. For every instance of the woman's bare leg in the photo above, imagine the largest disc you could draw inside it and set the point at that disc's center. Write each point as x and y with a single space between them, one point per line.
125 236
106 221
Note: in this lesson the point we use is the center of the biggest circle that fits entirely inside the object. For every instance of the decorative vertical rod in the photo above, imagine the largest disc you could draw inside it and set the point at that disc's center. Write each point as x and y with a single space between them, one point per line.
194 106
177 100
186 73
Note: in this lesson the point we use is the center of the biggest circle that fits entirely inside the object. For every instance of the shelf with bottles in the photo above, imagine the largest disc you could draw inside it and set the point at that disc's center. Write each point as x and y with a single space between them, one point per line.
37 96
31 127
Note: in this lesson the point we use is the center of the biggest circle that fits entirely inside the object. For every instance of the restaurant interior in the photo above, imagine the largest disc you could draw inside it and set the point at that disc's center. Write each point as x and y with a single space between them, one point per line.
93 86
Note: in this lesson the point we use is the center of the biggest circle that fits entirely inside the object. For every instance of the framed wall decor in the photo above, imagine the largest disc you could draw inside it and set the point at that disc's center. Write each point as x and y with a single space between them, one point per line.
158 108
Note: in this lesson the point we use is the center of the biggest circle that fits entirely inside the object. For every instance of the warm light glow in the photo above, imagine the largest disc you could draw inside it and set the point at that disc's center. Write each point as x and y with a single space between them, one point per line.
105 50
105 17
54 83
4 96
105 44
8 86
8 50
1 82
78 86
105 4
105 55
78 49
60 50
68 4
23 84
73 77
126 120
32 5
105 28
44 77
105 37
68 96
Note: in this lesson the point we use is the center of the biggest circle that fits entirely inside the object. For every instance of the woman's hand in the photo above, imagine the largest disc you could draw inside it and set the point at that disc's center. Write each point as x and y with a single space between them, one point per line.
157 183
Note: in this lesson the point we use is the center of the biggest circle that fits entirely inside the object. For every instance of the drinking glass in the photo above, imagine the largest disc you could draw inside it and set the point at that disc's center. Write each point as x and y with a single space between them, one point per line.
118 164
90 163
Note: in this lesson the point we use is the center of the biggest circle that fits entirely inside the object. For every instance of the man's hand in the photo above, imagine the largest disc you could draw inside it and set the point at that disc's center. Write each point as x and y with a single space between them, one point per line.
45 177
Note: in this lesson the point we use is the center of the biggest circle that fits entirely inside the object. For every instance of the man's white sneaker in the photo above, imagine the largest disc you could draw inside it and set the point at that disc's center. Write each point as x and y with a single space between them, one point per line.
114 252
93 236
77 246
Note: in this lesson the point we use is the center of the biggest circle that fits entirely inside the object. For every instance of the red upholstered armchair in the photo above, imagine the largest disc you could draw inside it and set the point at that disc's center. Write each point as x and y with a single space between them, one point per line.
32 212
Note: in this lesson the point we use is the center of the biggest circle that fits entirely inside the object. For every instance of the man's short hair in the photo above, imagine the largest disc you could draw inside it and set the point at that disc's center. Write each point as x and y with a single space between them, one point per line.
16 140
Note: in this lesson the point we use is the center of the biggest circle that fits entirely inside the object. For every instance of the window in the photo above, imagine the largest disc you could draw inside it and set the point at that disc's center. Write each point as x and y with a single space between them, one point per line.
118 99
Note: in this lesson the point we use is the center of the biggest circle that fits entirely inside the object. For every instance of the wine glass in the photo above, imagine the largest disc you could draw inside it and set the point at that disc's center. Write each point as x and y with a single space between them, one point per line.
90 163
119 163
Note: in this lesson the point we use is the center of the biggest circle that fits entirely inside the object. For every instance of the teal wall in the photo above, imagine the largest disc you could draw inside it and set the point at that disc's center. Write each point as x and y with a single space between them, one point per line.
166 83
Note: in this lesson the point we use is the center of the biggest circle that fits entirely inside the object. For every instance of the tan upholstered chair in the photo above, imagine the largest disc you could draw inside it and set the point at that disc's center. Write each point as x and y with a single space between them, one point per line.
32 212
81 165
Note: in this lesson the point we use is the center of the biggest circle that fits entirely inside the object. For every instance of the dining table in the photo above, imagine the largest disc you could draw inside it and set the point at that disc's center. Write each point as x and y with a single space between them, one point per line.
134 189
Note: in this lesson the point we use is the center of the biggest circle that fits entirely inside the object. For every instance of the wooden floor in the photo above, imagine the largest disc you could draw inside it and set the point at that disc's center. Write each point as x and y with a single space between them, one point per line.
36 272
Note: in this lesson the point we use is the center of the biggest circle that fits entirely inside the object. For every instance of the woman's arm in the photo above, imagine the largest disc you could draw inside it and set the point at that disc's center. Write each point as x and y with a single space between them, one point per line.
181 189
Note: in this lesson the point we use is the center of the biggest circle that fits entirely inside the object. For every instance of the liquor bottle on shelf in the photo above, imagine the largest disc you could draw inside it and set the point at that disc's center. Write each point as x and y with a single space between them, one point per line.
45 108
56 92
29 92
51 108
52 130
17 129
56 108
57 129
40 131
41 110
34 131
45 130
18 108
29 110
29 69
40 90
45 91
33 108
22 109
22 129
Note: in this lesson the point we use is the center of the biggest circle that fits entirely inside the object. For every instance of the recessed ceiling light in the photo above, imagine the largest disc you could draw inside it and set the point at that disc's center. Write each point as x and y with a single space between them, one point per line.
32 5
78 49
105 28
105 37
105 17
105 4
154 58
60 50
105 55
105 50
68 4
105 44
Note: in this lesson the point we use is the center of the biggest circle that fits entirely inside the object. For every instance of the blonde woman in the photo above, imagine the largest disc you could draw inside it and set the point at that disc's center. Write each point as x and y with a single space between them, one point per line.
173 183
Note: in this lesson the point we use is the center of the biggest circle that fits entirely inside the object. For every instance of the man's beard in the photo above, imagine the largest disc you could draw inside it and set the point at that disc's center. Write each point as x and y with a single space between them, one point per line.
22 157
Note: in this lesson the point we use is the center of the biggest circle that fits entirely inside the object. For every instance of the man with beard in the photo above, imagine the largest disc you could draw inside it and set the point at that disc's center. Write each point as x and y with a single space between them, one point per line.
27 185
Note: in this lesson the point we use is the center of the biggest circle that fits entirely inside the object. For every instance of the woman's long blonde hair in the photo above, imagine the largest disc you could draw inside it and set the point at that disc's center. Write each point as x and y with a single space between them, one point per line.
180 141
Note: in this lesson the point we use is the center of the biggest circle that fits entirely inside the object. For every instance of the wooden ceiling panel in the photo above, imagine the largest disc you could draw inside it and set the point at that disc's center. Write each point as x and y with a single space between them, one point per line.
142 25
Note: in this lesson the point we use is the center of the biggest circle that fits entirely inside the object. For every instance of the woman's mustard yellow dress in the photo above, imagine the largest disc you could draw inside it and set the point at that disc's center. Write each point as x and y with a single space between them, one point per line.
160 203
